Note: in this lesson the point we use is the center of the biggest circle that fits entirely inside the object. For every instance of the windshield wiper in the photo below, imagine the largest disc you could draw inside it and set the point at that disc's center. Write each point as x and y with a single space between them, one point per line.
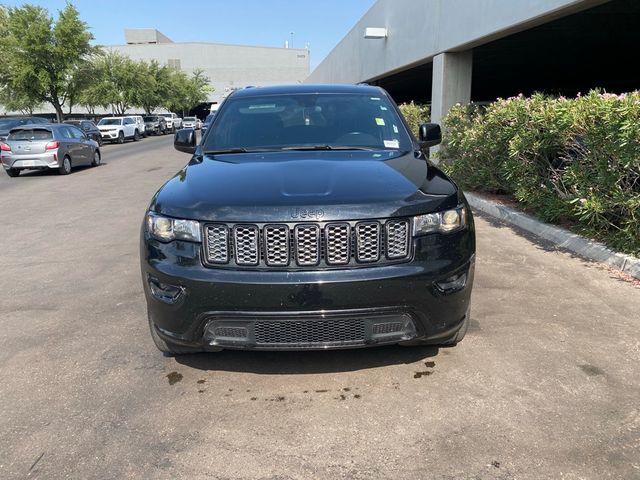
325 147
227 150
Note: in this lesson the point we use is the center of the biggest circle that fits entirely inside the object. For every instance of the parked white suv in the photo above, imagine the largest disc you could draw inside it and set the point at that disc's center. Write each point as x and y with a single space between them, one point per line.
118 129
174 122
141 126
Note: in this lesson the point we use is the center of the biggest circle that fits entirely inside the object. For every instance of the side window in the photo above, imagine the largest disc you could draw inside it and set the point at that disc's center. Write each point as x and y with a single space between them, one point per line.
65 133
86 126
128 121
76 133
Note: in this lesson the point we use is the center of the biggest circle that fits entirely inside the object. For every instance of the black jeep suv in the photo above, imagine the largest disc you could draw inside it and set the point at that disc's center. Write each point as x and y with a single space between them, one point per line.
307 218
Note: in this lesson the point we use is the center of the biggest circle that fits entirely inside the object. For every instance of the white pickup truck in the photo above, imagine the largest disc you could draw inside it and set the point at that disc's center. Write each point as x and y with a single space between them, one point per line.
118 129
174 122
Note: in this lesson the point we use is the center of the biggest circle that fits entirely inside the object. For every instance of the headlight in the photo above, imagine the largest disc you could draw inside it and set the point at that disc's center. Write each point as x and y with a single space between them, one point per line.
443 222
167 229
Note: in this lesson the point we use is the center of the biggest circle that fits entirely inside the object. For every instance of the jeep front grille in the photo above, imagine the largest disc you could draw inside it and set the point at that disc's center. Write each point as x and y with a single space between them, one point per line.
307 245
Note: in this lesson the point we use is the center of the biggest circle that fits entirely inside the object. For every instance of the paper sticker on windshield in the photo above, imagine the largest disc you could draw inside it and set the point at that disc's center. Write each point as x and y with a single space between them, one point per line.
383 108
380 121
392 144
375 99
395 129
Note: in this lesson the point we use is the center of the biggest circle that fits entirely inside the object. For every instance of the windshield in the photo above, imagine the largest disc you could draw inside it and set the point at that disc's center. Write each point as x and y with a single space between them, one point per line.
189 119
110 121
273 122
31 134
150 119
166 115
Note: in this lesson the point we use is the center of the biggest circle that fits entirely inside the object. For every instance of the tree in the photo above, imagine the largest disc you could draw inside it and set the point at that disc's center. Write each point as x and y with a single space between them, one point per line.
117 82
186 92
40 58
157 87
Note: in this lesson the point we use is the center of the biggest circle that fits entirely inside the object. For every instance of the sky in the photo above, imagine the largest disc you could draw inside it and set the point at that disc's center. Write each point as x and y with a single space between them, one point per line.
319 23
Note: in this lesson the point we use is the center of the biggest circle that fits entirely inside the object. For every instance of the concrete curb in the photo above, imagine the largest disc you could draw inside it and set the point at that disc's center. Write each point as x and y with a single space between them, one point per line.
559 236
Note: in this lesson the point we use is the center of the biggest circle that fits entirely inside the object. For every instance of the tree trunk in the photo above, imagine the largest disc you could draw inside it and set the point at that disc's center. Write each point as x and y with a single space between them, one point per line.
59 113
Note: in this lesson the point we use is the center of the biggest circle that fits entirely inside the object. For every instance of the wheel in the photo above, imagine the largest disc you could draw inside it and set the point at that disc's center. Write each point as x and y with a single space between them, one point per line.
13 172
121 137
65 167
136 136
96 158
166 347
164 131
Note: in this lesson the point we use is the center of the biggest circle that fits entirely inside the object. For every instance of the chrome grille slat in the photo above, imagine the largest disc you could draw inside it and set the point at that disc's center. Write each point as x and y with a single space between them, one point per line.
307 242
217 244
397 236
368 242
338 243
276 245
310 244
246 242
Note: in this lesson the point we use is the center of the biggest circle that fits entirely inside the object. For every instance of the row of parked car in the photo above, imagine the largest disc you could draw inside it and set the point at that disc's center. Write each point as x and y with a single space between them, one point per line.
28 143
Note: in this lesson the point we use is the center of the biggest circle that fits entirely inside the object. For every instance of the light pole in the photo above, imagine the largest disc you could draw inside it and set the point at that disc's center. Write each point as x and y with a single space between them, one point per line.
291 44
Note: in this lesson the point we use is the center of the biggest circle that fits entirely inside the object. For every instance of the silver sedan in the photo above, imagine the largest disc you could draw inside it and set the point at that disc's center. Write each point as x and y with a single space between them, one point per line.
47 147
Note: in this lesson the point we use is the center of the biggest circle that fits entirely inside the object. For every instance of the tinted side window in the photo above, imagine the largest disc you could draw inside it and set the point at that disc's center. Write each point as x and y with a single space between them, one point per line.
76 133
65 133
128 121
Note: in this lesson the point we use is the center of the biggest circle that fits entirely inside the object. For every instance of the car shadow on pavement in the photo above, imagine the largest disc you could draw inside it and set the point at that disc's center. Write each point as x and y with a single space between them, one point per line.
303 363
54 173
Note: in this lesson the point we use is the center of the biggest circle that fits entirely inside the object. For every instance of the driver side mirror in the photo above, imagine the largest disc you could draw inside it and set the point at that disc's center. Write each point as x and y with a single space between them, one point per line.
430 135
185 140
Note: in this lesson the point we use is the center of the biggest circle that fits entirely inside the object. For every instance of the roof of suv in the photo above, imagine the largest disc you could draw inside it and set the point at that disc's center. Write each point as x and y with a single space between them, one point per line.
311 88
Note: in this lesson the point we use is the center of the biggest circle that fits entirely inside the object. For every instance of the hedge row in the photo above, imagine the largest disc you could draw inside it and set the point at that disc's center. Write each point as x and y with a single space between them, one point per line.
416 115
574 160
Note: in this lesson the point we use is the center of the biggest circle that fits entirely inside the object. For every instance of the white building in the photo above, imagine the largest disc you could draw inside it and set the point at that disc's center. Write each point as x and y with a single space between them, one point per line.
228 67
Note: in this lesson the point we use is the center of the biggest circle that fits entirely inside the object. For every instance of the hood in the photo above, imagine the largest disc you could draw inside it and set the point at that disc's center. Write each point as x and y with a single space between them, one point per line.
292 186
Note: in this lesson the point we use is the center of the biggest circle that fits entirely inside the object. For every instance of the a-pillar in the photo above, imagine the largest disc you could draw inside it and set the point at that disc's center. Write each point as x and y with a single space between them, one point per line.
452 75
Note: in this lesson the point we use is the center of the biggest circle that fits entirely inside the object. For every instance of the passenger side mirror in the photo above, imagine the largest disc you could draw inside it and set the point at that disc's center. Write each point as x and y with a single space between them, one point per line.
430 135
185 140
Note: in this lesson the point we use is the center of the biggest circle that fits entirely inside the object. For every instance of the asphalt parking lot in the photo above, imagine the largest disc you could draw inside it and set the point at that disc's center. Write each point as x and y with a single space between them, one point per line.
546 384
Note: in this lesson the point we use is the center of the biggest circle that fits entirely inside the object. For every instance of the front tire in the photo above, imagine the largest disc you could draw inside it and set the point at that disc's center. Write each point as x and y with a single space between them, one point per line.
167 348
65 166
121 138
97 158
13 172
136 136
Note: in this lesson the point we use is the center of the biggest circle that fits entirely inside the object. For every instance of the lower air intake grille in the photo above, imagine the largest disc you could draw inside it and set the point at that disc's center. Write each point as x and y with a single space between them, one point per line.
310 333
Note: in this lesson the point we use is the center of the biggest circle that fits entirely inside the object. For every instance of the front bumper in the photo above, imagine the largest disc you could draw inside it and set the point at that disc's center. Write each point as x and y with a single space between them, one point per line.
210 308
109 135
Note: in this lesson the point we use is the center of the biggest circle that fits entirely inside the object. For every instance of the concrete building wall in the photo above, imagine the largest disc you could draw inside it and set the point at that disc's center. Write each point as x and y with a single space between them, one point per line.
227 66
418 30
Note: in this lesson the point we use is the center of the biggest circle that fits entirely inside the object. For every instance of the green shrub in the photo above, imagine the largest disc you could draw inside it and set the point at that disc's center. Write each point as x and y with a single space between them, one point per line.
416 115
564 159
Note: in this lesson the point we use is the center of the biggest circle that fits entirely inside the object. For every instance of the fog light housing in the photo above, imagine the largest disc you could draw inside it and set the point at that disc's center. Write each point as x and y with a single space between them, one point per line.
165 292
393 328
227 333
453 283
